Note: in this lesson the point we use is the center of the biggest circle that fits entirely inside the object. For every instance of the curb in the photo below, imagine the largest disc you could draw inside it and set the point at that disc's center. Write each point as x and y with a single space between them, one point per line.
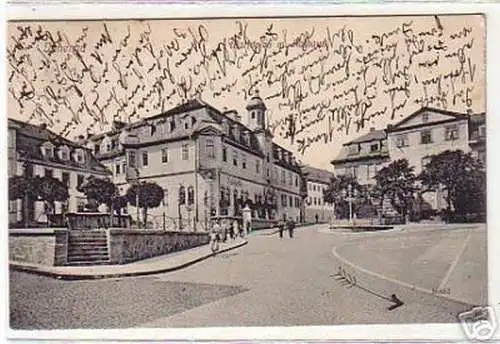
396 281
73 277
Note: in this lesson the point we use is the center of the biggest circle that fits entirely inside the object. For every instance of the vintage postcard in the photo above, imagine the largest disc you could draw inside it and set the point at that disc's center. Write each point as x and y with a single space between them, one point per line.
248 171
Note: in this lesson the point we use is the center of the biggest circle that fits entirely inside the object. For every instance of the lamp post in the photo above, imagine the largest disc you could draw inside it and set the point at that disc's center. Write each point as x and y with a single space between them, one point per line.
349 190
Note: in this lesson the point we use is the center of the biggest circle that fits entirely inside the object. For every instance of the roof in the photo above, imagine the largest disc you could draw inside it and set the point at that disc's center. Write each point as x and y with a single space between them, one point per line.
30 138
373 135
278 160
317 174
454 114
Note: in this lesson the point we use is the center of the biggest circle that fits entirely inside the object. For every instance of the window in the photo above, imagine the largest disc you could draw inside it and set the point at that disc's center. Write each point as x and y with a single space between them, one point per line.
49 172
64 154
244 161
482 157
297 202
253 114
290 178
65 179
425 117
451 133
257 166
210 149
182 195
114 144
402 141
80 179
97 148
290 201
315 200
131 159
117 168
224 154
482 131
283 200
283 177
374 147
49 151
235 157
425 137
145 159
190 195
164 155
354 149
172 125
185 152
267 172
80 157
124 167
296 181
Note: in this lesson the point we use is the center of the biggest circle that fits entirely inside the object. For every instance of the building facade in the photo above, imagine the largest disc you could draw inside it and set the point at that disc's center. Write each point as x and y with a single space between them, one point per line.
416 138
36 151
208 162
363 157
317 181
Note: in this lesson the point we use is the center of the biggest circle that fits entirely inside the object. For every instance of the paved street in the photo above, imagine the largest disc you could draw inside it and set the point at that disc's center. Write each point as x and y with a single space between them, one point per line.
276 282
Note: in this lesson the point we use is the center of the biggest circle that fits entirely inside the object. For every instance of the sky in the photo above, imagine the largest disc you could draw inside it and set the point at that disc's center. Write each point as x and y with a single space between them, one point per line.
324 81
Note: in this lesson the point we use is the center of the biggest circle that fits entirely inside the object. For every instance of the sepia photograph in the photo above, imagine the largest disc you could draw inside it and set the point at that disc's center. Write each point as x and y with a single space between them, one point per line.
248 171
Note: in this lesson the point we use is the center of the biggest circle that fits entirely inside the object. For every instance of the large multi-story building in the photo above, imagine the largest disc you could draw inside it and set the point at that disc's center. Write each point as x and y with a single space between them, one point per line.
36 151
316 209
363 156
208 162
416 138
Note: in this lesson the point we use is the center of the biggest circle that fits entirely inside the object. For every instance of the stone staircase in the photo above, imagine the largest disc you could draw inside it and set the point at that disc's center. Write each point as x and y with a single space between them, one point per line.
88 247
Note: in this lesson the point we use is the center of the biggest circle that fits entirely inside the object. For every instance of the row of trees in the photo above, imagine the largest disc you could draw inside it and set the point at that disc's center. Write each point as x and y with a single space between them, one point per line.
98 191
460 176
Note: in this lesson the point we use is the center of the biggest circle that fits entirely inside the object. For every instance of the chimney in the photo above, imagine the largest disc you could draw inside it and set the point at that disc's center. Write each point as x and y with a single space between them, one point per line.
117 125
389 127
43 126
372 129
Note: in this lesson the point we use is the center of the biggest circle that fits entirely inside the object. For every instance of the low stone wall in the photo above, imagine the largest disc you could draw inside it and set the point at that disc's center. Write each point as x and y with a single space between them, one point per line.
45 246
128 245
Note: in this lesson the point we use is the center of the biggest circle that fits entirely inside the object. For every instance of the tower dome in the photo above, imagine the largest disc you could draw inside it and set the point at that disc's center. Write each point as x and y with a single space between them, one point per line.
256 102
256 112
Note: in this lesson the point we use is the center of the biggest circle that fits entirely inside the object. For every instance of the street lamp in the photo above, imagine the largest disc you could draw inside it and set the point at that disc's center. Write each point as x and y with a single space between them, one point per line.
349 190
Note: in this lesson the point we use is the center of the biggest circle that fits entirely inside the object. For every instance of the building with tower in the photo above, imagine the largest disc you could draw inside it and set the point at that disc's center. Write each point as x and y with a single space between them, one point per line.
208 162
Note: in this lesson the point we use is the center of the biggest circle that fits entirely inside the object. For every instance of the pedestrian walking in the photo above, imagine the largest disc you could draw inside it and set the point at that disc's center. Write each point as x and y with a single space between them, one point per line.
291 227
282 225
215 236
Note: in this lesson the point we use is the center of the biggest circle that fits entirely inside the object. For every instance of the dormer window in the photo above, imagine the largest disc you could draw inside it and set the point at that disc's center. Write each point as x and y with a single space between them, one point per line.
64 153
374 147
79 156
48 150
354 149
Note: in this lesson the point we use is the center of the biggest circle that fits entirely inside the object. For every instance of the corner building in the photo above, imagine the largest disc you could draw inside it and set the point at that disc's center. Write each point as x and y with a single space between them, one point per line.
208 162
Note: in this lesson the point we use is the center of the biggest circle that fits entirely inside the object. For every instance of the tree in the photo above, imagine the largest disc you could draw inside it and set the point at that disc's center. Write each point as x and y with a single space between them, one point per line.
25 189
101 191
461 176
50 190
337 192
119 202
396 182
150 195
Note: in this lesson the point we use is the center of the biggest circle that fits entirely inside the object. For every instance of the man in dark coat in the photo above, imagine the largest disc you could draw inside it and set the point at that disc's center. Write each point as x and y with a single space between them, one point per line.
291 227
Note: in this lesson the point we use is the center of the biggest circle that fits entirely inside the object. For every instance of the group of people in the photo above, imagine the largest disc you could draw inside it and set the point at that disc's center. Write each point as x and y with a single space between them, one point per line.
288 225
221 230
